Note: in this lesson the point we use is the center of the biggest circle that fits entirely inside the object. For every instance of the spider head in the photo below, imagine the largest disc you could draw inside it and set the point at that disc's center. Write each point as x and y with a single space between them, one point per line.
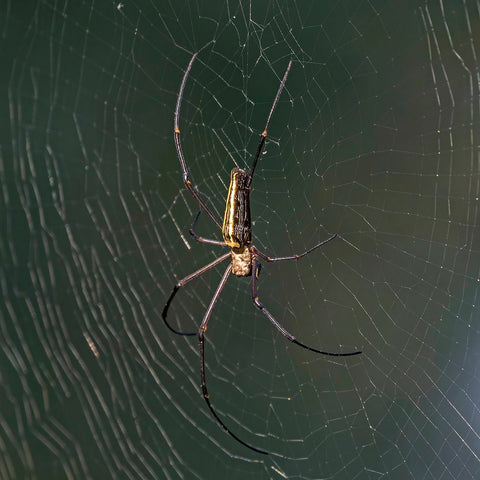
241 262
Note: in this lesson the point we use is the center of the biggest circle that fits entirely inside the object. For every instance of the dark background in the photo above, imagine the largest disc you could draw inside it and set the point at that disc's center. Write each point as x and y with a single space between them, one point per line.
375 139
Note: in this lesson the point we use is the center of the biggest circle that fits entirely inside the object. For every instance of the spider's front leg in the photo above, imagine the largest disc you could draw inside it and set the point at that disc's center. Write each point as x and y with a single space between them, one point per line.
285 333
201 343
183 282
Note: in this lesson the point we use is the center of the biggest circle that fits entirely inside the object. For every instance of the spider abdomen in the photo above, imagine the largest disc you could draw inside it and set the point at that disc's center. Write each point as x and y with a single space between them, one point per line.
237 224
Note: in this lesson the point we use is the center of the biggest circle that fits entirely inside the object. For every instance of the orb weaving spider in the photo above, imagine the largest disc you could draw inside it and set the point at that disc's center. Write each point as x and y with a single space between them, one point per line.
237 235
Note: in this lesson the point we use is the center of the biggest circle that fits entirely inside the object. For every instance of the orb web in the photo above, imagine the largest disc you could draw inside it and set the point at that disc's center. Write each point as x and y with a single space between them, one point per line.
374 139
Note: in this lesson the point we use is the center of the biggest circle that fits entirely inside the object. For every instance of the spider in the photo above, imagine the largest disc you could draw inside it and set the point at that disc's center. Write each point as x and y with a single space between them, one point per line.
237 235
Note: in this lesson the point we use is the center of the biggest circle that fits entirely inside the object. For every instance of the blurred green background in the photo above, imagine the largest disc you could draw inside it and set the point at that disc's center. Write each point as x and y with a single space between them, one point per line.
375 138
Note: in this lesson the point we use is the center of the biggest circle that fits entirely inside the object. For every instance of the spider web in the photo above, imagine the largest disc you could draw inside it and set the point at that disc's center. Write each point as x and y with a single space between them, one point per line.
375 138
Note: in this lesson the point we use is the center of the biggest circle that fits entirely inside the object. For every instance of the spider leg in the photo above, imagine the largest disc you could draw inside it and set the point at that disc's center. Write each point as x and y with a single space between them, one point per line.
292 257
289 336
200 239
201 339
183 282
178 146
263 135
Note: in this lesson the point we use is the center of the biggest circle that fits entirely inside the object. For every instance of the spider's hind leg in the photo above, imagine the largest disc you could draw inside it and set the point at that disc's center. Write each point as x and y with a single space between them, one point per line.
178 145
263 135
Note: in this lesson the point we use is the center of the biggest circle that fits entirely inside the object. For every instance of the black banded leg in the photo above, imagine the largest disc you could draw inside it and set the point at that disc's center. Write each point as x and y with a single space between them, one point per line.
183 282
178 146
200 239
263 135
293 257
289 336
201 340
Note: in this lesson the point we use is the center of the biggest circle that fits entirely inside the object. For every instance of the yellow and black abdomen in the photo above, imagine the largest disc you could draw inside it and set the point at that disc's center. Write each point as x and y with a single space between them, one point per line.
237 224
